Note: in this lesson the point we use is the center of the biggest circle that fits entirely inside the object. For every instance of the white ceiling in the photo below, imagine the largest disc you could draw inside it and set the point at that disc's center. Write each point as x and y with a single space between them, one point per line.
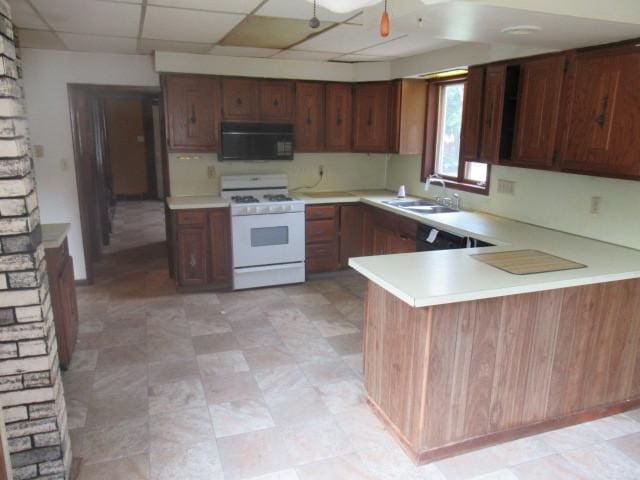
203 26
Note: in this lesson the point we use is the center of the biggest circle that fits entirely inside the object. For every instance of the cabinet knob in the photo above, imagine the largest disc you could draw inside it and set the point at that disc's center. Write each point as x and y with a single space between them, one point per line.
275 102
339 118
370 118
309 116
238 101
193 119
601 118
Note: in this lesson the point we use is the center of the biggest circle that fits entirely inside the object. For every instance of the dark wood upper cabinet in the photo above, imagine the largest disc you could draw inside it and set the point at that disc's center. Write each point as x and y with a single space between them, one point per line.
220 247
309 124
472 114
371 117
276 100
240 99
494 88
601 133
408 113
193 106
537 113
338 110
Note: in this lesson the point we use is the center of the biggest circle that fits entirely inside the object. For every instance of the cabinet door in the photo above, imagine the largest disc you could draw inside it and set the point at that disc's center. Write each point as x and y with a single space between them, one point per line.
70 306
309 126
408 107
338 101
192 255
192 112
400 244
240 99
351 233
492 113
371 117
368 223
380 238
276 100
538 107
603 113
220 246
472 115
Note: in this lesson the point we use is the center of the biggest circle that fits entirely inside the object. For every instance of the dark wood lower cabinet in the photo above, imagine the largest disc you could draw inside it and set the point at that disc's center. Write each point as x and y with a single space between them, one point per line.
62 288
201 248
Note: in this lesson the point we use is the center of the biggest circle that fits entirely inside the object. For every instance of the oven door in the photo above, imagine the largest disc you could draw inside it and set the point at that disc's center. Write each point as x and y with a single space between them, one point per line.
269 239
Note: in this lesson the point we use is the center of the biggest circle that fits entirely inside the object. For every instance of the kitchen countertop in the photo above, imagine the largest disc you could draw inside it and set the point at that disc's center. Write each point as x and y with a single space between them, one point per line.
200 201
53 234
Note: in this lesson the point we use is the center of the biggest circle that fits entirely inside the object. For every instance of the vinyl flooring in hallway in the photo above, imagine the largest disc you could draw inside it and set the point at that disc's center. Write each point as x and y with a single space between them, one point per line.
263 384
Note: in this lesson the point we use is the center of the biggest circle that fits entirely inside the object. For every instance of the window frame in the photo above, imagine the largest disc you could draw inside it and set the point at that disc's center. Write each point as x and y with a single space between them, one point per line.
430 141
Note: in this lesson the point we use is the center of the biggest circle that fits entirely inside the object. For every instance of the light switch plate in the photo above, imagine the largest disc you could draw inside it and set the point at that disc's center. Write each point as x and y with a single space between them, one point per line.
38 151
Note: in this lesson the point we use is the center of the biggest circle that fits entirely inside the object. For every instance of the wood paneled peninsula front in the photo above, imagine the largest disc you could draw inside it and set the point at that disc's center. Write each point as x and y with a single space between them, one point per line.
459 355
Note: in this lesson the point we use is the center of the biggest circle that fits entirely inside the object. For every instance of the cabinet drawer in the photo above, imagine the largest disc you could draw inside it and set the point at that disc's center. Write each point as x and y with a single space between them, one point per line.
322 250
321 231
192 217
321 211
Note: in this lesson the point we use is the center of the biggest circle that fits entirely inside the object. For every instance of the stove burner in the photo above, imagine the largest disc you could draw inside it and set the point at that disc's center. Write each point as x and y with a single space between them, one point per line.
245 199
279 197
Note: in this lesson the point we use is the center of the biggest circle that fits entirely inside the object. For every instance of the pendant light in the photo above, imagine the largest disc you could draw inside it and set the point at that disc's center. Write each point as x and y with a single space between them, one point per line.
314 22
384 22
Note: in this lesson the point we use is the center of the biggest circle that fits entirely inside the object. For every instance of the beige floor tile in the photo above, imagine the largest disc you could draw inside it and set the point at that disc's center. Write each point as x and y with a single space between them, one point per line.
88 341
364 430
522 450
116 337
356 363
222 342
551 467
76 413
281 379
258 337
345 467
393 464
604 462
315 440
295 405
204 299
635 414
194 462
129 468
239 416
629 445
164 328
308 349
342 395
222 363
614 426
120 356
207 326
168 372
124 380
110 442
170 350
116 408
309 299
184 427
503 474
292 321
289 474
571 438
350 344
83 360
169 397
268 357
470 465
321 373
225 388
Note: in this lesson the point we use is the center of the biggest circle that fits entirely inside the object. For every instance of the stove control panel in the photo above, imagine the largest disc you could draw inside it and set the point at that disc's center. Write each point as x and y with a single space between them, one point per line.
267 209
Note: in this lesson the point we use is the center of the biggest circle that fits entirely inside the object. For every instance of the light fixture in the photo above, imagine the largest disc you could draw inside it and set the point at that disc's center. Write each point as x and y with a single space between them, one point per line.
445 74
384 22
521 29
314 22
345 6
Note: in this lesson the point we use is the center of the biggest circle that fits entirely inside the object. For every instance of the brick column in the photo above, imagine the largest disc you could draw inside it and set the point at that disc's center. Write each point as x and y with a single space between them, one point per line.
31 391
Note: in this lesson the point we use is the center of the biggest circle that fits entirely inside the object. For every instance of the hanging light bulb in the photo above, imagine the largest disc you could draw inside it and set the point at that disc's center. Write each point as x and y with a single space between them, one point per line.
384 22
314 22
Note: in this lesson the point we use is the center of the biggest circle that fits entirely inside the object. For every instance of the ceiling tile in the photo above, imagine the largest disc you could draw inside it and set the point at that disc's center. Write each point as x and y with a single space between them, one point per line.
302 55
148 46
233 6
24 16
270 32
300 9
354 57
412 44
91 17
346 39
188 25
95 43
39 39
231 51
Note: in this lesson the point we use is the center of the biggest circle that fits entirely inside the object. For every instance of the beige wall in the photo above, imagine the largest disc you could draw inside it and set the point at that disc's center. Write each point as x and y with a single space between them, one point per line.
555 200
343 171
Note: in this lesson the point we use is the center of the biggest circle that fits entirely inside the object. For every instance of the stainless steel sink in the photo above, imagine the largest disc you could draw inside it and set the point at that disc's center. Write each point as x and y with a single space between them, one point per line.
419 206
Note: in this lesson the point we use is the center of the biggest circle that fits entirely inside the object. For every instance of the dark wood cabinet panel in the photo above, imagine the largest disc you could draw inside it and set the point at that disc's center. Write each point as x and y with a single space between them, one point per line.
472 114
371 117
192 256
603 113
338 119
309 124
351 245
193 112
537 115
400 244
408 107
321 238
220 247
494 86
240 99
276 100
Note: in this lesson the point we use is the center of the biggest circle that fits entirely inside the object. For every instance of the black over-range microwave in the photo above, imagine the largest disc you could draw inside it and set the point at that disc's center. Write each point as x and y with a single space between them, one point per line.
256 141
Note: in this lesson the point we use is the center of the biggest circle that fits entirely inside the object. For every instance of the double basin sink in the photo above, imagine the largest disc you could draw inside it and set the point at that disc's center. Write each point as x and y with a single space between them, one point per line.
420 206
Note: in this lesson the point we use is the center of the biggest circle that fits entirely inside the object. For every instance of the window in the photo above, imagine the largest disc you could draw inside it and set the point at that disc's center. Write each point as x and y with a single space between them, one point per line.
442 146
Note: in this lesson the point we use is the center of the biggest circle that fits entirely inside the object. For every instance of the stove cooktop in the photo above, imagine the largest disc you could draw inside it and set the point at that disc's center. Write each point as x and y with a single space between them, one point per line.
268 197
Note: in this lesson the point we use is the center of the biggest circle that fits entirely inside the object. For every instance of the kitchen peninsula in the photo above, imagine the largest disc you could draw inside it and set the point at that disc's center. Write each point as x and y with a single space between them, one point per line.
459 355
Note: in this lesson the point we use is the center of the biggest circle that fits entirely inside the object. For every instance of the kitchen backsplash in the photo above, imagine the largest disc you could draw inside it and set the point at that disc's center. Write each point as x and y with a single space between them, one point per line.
189 173
555 200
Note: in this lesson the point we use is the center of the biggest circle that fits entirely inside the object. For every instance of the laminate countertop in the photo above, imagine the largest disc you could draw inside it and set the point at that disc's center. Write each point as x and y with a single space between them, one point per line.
53 234
196 201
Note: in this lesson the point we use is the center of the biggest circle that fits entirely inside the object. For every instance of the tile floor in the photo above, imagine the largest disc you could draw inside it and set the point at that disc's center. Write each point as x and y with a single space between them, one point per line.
262 384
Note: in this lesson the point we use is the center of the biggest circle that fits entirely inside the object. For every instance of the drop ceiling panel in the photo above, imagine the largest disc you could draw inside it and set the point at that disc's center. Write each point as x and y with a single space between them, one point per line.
233 6
347 39
147 46
302 55
270 32
412 44
90 17
39 39
24 16
188 25
300 9
231 51
93 43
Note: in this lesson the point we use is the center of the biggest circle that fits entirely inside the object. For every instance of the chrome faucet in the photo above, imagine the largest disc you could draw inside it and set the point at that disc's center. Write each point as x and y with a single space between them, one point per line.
443 200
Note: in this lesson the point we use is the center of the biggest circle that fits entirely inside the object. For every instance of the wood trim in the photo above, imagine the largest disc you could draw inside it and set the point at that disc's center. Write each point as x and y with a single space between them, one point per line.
5 463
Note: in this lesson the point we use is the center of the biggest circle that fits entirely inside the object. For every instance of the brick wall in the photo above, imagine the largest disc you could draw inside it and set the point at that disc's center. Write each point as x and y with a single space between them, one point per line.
31 391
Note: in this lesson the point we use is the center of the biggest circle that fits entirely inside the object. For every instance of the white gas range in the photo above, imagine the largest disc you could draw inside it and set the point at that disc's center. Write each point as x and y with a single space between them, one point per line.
267 229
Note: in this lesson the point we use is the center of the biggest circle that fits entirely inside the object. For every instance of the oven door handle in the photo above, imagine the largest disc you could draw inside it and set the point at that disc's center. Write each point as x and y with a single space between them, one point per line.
280 266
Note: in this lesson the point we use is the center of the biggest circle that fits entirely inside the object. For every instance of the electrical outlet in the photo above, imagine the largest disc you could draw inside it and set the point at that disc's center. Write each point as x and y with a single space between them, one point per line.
321 170
507 187
596 203
211 171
